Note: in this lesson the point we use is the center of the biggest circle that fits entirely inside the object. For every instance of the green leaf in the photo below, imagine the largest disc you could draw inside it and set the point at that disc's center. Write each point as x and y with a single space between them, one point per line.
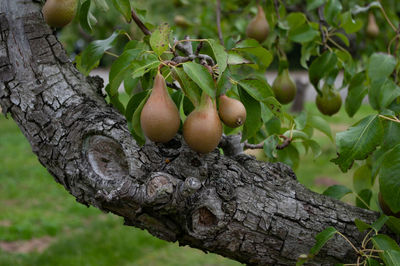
349 24
296 134
389 180
220 55
362 178
301 120
304 33
258 89
313 4
90 57
337 191
290 156
137 129
235 58
363 199
382 93
322 238
134 103
124 7
380 66
122 68
378 224
274 106
361 225
344 38
391 254
200 75
331 11
296 19
253 119
357 91
321 66
83 15
144 64
159 39
102 5
320 124
253 48
114 100
269 146
315 147
358 141
189 87
394 224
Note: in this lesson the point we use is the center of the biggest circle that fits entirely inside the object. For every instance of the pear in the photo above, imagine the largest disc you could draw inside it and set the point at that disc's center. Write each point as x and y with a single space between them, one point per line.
231 111
284 87
160 118
181 21
372 27
202 129
258 27
59 13
329 102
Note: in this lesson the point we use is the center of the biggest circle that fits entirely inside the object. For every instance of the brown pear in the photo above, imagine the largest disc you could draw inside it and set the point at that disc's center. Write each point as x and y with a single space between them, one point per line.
372 27
59 13
231 111
258 27
284 87
202 129
160 117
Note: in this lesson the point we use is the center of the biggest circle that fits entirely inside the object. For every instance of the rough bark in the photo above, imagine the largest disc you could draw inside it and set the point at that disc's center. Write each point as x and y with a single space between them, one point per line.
250 211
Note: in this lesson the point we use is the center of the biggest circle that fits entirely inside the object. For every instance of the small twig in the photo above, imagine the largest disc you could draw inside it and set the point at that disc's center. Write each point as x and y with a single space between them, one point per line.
253 146
322 23
218 13
348 241
276 5
386 17
198 49
140 24
286 142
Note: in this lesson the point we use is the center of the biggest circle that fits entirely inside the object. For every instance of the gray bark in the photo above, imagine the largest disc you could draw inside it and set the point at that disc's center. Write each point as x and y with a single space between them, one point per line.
250 211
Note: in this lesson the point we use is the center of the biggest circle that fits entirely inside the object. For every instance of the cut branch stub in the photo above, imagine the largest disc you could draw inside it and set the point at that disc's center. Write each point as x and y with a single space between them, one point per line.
106 157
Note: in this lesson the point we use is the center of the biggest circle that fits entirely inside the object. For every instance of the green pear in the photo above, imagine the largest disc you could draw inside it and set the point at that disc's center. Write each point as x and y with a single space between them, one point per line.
284 87
59 13
258 27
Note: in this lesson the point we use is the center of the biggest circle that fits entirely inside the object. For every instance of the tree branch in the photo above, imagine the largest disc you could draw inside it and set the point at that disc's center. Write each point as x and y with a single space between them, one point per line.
218 15
322 24
139 23
251 211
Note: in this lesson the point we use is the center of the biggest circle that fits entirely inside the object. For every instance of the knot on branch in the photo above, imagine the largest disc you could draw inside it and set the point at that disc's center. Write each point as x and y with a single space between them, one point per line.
98 83
208 216
106 157
159 188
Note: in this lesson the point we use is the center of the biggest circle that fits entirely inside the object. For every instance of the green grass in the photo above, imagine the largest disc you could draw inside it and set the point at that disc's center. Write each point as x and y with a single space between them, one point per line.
33 205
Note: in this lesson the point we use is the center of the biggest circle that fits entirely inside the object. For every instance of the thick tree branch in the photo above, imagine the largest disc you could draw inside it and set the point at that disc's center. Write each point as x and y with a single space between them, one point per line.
251 211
